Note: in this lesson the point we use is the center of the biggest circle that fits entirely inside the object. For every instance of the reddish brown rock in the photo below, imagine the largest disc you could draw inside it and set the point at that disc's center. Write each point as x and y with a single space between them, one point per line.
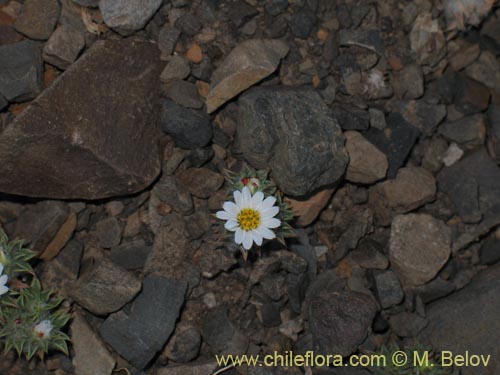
92 134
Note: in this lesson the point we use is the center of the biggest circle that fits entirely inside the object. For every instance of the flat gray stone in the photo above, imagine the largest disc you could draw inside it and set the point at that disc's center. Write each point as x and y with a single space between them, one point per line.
38 18
127 16
468 321
140 332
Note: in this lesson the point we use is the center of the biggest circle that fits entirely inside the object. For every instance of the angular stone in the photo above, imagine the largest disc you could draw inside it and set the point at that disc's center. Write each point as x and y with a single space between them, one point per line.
171 190
468 132
38 224
184 346
189 128
107 135
172 252
412 188
408 83
308 210
470 95
419 247
177 68
268 138
38 18
105 289
131 255
183 93
302 23
351 118
367 164
137 335
420 114
388 288
127 16
167 39
221 334
189 24
240 12
427 40
406 324
201 182
339 321
486 70
109 232
21 71
91 355
61 238
473 184
468 321
396 141
63 47
248 63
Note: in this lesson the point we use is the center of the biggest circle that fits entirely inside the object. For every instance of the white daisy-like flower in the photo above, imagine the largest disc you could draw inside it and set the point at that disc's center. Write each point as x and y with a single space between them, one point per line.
251 217
3 281
43 329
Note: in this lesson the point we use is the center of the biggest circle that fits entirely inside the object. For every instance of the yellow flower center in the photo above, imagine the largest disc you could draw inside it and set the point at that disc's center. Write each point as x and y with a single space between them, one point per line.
249 219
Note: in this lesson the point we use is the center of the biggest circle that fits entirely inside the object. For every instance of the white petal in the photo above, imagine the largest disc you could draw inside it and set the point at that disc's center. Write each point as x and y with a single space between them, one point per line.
231 208
247 241
231 225
268 202
237 198
3 279
223 215
3 290
265 233
238 237
1 268
246 197
257 238
269 212
257 199
271 223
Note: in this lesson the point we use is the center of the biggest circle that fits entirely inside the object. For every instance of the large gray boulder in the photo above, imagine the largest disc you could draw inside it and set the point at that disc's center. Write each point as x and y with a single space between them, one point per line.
292 132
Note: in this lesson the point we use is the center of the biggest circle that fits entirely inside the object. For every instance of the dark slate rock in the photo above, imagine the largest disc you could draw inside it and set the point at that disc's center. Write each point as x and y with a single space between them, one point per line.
434 289
420 114
271 314
63 47
38 18
105 288
388 288
473 184
131 255
167 39
296 287
21 71
490 250
468 132
189 128
494 132
468 321
183 93
198 157
240 12
268 137
351 118
140 332
302 23
189 24
108 134
275 8
220 333
339 322
398 145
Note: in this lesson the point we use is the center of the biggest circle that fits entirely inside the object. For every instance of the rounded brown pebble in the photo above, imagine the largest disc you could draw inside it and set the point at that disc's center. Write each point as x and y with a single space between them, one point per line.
194 53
